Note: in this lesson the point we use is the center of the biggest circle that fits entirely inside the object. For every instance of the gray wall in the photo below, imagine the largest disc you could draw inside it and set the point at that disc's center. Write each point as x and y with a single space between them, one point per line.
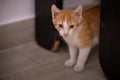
15 10
74 3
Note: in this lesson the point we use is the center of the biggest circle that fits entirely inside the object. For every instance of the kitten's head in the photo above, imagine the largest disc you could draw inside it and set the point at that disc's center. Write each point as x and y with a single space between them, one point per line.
66 21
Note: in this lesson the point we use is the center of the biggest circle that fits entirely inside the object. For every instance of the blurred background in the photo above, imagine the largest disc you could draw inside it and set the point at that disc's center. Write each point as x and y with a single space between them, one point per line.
15 10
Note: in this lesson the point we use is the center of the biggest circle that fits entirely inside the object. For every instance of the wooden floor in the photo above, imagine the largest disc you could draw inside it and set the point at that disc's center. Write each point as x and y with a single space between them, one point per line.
22 59
31 62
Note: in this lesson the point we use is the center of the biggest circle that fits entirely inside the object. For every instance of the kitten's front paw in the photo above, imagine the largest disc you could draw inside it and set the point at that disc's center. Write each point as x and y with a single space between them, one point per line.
69 63
78 68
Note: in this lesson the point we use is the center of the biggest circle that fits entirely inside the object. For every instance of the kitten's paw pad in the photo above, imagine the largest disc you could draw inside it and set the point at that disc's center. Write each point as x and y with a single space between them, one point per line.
69 63
78 68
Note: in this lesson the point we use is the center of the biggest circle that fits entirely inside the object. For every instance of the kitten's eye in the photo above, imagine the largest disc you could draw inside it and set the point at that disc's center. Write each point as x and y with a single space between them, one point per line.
60 25
71 26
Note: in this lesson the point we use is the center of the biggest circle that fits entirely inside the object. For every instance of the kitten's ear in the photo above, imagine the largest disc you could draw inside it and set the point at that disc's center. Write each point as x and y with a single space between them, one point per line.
55 11
78 12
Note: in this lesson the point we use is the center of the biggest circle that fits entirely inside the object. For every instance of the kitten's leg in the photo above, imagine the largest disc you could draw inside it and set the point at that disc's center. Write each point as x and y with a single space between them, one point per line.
82 58
73 54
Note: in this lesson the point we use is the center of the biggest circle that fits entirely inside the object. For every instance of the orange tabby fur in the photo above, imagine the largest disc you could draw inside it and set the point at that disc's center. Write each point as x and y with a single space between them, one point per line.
87 36
91 23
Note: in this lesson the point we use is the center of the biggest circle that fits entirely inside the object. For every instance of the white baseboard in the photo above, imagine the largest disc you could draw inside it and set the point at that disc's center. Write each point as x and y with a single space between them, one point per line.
16 20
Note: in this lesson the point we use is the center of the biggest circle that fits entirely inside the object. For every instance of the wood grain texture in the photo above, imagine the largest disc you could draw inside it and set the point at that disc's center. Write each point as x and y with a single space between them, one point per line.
31 62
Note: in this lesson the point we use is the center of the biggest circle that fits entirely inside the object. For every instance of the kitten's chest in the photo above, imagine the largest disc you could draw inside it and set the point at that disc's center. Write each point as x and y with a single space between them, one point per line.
72 40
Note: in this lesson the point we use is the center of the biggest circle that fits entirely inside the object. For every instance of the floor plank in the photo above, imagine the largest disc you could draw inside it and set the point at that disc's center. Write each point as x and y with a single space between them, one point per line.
31 62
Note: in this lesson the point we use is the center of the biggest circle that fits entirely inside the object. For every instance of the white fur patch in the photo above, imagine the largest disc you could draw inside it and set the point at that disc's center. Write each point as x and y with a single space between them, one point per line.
72 39
65 24
82 58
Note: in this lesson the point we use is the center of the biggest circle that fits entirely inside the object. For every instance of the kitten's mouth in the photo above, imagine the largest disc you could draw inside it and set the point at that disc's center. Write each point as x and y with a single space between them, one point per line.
65 36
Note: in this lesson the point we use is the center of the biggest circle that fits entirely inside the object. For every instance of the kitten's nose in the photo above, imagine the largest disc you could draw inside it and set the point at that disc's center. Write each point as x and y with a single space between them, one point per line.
65 34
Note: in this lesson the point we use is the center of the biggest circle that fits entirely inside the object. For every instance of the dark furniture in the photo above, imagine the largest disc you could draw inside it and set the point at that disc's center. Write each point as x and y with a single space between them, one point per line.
45 33
110 39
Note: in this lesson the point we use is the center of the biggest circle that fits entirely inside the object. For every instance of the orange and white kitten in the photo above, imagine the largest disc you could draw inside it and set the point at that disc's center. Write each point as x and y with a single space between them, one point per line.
80 30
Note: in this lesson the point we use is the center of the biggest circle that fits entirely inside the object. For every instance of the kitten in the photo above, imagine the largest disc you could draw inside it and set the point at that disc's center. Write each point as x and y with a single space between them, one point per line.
80 30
